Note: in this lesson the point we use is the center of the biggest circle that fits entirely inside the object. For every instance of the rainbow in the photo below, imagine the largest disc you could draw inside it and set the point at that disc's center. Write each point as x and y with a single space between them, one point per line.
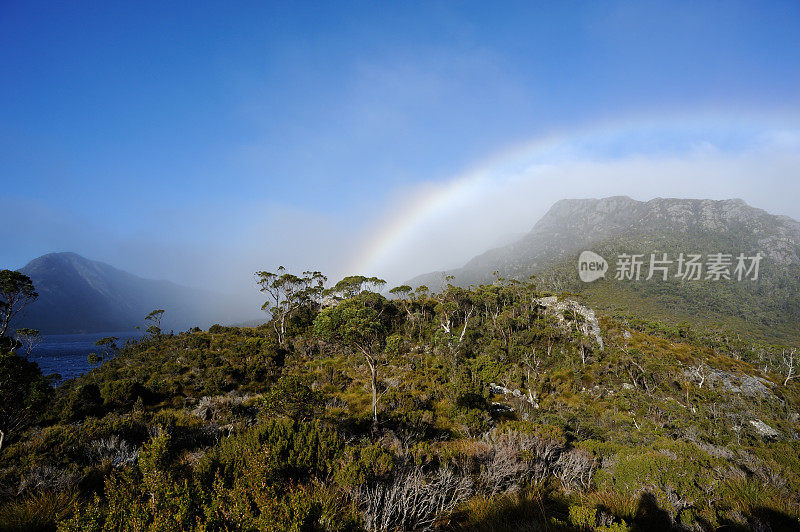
423 208
515 162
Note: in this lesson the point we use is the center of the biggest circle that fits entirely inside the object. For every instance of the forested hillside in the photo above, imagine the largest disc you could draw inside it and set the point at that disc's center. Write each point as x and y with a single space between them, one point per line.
766 307
498 407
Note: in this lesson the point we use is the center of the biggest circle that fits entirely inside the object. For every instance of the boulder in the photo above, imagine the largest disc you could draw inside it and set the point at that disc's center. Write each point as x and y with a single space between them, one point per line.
589 326
763 429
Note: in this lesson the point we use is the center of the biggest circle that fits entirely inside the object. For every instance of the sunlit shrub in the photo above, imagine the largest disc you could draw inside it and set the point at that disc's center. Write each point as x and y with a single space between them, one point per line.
363 464
41 510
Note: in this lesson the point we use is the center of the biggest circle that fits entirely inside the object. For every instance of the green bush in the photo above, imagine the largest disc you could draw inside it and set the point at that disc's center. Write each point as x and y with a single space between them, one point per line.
85 401
293 397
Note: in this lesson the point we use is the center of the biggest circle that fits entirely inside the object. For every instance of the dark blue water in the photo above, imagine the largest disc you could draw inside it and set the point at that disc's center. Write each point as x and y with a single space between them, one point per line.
66 354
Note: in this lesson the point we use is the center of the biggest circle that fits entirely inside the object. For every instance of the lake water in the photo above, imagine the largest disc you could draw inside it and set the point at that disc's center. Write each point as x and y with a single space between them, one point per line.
66 354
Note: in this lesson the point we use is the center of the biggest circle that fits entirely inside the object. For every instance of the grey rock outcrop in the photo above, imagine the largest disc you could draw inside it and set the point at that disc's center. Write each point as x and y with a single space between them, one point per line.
763 429
734 383
588 324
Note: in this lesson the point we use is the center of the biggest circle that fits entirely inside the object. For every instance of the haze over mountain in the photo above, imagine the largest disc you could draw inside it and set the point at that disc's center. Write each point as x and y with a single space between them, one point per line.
79 295
619 224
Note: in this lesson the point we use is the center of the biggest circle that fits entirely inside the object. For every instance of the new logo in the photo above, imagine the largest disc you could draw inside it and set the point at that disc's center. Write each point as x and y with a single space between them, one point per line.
591 266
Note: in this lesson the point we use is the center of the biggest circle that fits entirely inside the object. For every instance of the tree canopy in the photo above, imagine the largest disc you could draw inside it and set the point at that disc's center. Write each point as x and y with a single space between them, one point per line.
16 292
287 293
360 323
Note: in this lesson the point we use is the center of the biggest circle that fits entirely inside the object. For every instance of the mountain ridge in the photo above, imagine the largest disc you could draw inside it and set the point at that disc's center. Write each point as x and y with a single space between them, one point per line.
79 295
584 221
768 308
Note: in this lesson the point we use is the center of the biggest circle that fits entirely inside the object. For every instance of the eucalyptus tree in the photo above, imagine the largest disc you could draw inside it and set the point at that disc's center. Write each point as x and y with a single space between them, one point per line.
16 292
353 285
108 349
29 338
454 309
404 293
287 293
155 318
361 324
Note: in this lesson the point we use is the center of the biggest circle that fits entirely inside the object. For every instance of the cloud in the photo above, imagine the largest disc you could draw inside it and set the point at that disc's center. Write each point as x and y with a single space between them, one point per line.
399 231
471 213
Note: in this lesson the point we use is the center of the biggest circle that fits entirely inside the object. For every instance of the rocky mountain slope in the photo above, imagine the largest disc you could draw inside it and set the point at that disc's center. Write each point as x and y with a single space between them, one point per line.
616 225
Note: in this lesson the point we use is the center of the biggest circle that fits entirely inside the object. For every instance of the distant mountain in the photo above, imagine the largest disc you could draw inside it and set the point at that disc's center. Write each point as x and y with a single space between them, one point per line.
619 224
78 295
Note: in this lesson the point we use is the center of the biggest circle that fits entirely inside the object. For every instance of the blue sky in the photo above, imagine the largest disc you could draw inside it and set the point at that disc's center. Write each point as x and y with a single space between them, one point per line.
174 139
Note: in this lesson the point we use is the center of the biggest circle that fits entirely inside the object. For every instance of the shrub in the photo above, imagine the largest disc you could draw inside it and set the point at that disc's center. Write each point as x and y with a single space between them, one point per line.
575 469
523 511
517 458
40 511
123 393
412 500
24 393
292 397
147 497
85 401
582 518
282 448
363 464
115 451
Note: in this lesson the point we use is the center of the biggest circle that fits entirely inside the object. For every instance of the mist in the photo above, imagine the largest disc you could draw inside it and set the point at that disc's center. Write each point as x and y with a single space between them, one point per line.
431 225
211 163
481 209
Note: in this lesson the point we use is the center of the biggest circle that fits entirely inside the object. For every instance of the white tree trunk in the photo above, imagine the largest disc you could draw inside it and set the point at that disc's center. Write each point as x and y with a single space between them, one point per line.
373 368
